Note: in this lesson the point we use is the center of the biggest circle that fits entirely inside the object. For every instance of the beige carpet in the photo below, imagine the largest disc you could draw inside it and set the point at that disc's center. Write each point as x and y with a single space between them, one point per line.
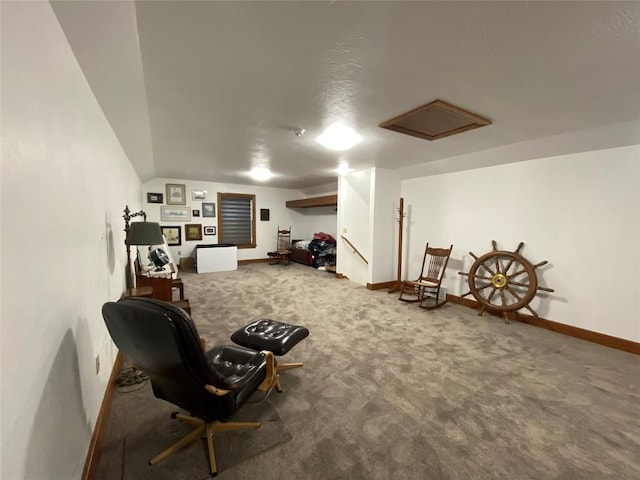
140 427
391 391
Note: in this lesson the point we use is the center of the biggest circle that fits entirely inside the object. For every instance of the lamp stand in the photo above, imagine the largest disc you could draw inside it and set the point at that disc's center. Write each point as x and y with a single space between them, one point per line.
127 228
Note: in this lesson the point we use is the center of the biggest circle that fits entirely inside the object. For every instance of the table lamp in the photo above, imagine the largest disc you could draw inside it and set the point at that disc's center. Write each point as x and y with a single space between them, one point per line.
139 233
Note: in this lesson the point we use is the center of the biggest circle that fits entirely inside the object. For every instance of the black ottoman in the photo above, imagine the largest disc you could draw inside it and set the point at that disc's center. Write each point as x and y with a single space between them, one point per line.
274 336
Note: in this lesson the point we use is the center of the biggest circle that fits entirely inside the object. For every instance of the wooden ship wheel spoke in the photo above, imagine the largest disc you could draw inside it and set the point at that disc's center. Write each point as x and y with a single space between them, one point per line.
479 277
511 278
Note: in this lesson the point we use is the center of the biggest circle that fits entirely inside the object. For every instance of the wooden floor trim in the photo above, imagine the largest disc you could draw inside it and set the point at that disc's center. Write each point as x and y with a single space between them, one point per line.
380 285
577 332
254 260
96 439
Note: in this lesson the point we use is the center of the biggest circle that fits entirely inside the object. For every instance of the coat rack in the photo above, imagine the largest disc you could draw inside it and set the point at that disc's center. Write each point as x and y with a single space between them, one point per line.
401 214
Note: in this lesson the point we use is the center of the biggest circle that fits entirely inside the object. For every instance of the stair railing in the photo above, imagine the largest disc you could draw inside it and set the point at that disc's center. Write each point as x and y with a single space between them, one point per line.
355 250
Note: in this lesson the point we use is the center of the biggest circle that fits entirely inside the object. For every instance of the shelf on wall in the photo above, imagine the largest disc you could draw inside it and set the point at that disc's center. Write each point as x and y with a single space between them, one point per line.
326 201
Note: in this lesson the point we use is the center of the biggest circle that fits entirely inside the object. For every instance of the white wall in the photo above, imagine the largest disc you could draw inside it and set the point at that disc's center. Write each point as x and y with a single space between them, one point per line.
368 203
316 219
308 221
354 199
266 232
385 199
581 212
65 182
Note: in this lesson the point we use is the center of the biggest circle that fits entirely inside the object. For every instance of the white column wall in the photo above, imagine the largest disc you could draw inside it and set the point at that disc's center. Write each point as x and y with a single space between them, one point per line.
354 219
385 198
65 182
581 212
266 232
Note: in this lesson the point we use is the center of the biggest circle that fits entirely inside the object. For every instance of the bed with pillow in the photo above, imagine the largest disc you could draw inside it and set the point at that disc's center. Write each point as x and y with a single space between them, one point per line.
300 252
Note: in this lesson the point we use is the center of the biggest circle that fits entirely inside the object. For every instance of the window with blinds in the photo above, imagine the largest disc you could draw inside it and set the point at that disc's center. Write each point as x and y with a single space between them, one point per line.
237 219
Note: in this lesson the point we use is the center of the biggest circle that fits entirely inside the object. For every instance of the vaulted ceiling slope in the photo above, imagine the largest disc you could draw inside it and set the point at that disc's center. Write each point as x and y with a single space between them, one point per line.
206 90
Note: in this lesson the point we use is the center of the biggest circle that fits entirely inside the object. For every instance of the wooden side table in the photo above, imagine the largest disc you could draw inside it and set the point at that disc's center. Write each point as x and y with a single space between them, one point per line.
138 292
161 290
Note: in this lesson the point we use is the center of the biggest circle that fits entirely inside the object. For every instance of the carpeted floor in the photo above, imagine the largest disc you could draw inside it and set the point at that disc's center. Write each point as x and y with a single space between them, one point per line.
140 427
391 391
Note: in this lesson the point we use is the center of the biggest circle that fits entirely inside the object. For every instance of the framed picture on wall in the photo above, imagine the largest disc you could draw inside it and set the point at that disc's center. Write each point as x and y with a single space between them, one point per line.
198 194
209 230
193 231
175 214
176 194
208 209
172 234
154 198
195 213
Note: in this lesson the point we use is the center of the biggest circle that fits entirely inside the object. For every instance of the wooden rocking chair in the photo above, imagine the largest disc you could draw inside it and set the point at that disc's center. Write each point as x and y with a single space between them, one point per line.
426 288
282 252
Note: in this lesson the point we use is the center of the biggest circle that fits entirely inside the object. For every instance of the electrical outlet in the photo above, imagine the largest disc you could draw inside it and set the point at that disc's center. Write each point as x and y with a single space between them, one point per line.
97 364
344 230
179 252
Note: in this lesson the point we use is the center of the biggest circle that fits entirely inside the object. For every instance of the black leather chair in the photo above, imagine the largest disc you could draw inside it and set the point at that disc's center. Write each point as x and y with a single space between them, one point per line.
161 340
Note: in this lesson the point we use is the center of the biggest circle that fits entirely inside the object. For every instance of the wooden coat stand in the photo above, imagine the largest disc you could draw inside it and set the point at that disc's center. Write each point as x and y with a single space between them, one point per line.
401 214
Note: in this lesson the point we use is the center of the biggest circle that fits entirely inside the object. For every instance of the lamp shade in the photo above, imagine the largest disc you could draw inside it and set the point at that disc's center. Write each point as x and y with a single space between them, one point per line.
145 233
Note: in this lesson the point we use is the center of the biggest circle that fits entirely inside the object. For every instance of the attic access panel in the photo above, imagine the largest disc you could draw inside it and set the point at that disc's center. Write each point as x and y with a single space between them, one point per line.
435 120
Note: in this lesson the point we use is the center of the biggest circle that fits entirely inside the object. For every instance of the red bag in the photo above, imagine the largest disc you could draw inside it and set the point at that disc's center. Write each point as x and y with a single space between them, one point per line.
324 237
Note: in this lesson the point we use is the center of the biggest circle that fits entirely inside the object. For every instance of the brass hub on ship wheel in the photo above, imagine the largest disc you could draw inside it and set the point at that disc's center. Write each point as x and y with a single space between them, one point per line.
499 280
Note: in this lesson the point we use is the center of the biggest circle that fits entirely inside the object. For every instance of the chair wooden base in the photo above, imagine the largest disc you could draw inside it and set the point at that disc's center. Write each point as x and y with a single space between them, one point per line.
438 304
202 428
282 257
421 293
281 368
411 290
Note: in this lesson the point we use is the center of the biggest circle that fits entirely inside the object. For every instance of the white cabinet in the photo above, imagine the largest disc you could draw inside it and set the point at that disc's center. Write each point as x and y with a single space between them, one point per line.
219 257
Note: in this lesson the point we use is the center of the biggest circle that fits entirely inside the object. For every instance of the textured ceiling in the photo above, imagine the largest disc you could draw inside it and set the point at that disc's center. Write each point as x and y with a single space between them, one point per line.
204 90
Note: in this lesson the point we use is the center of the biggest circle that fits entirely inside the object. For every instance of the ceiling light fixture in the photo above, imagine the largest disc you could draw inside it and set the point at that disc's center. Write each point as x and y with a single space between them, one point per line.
343 169
261 173
339 137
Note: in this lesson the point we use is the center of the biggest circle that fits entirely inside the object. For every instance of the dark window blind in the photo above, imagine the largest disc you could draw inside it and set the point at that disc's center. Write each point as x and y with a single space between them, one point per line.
236 219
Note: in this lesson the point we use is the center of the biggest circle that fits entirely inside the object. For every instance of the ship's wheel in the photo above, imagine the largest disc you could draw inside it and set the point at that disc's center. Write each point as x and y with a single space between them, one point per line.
503 281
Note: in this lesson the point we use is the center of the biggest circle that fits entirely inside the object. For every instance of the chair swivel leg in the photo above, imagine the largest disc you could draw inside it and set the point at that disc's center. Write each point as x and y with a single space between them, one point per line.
183 442
187 419
213 468
215 427
202 428
281 367
212 428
